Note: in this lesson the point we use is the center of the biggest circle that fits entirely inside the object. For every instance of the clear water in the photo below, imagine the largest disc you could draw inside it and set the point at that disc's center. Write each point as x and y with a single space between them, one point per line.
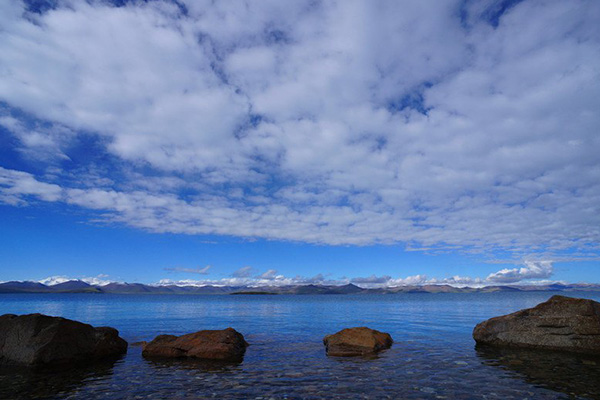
433 355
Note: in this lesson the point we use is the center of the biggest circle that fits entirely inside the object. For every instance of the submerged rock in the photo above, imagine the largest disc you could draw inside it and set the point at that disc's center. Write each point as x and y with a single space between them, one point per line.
561 323
356 342
223 345
575 375
41 340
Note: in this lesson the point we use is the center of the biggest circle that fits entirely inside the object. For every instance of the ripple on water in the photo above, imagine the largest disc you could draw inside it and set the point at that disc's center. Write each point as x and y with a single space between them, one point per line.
433 355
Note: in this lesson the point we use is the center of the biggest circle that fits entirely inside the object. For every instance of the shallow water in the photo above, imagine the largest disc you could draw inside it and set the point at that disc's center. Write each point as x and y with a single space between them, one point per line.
433 356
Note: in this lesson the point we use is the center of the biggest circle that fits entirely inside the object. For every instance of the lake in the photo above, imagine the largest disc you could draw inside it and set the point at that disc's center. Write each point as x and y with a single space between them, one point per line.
433 355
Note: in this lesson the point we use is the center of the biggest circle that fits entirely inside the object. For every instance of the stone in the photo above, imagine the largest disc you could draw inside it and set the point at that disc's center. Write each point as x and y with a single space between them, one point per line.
219 345
41 340
561 323
356 342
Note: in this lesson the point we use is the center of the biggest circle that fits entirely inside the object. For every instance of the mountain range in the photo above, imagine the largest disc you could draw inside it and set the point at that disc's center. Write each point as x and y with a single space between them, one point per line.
77 286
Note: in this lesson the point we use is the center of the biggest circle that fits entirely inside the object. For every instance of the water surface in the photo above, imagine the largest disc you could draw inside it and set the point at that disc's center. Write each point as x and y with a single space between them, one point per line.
433 356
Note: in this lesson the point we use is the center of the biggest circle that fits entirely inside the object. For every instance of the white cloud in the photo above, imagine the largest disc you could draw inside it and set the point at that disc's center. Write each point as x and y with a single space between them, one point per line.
531 273
371 280
531 270
244 277
38 142
270 275
99 280
419 280
201 271
244 272
17 186
351 123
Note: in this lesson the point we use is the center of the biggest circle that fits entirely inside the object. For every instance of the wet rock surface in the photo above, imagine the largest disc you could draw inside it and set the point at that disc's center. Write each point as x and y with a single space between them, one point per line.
220 345
41 340
356 342
561 323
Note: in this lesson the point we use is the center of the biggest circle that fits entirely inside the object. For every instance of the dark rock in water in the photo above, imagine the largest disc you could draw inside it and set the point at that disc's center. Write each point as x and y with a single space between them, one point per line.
561 323
356 342
224 345
40 340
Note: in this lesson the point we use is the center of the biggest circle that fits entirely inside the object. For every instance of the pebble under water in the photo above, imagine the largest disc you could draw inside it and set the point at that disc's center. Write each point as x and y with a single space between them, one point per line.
433 356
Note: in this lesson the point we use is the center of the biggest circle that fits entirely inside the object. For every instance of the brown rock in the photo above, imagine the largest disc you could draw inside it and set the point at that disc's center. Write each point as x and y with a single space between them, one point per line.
224 345
38 340
561 323
356 342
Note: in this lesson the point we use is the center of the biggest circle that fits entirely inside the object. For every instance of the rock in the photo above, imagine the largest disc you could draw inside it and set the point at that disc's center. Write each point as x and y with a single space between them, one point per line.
222 345
561 323
40 340
356 342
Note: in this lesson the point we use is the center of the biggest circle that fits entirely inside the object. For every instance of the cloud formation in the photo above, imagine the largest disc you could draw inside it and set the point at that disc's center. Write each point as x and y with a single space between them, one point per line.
201 271
531 270
99 280
454 126
531 273
244 272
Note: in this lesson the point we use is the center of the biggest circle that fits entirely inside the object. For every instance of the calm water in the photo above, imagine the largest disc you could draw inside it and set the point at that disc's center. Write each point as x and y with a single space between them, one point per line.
433 354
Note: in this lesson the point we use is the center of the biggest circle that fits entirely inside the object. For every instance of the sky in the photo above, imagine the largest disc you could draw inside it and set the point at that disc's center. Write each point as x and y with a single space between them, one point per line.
379 143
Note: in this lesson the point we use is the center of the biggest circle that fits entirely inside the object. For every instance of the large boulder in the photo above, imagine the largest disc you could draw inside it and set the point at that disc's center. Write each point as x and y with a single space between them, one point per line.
561 323
219 345
40 340
356 342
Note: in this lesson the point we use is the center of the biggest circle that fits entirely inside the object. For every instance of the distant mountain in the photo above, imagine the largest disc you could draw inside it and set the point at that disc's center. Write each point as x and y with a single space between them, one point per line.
77 286
428 289
139 288
23 287
130 288
347 289
312 289
502 289
74 286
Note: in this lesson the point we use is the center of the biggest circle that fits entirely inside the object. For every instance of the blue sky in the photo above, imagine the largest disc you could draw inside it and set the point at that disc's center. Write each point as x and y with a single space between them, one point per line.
374 142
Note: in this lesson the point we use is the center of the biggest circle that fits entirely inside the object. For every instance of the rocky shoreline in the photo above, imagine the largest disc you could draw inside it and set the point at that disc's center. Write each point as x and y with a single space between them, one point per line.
34 340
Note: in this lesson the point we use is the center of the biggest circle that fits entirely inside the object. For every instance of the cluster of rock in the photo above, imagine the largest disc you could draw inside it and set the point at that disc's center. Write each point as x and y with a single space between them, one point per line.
41 340
561 323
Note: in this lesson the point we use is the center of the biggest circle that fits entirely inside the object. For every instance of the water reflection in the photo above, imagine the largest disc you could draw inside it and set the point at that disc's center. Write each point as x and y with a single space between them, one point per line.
572 374
192 364
57 382
432 356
